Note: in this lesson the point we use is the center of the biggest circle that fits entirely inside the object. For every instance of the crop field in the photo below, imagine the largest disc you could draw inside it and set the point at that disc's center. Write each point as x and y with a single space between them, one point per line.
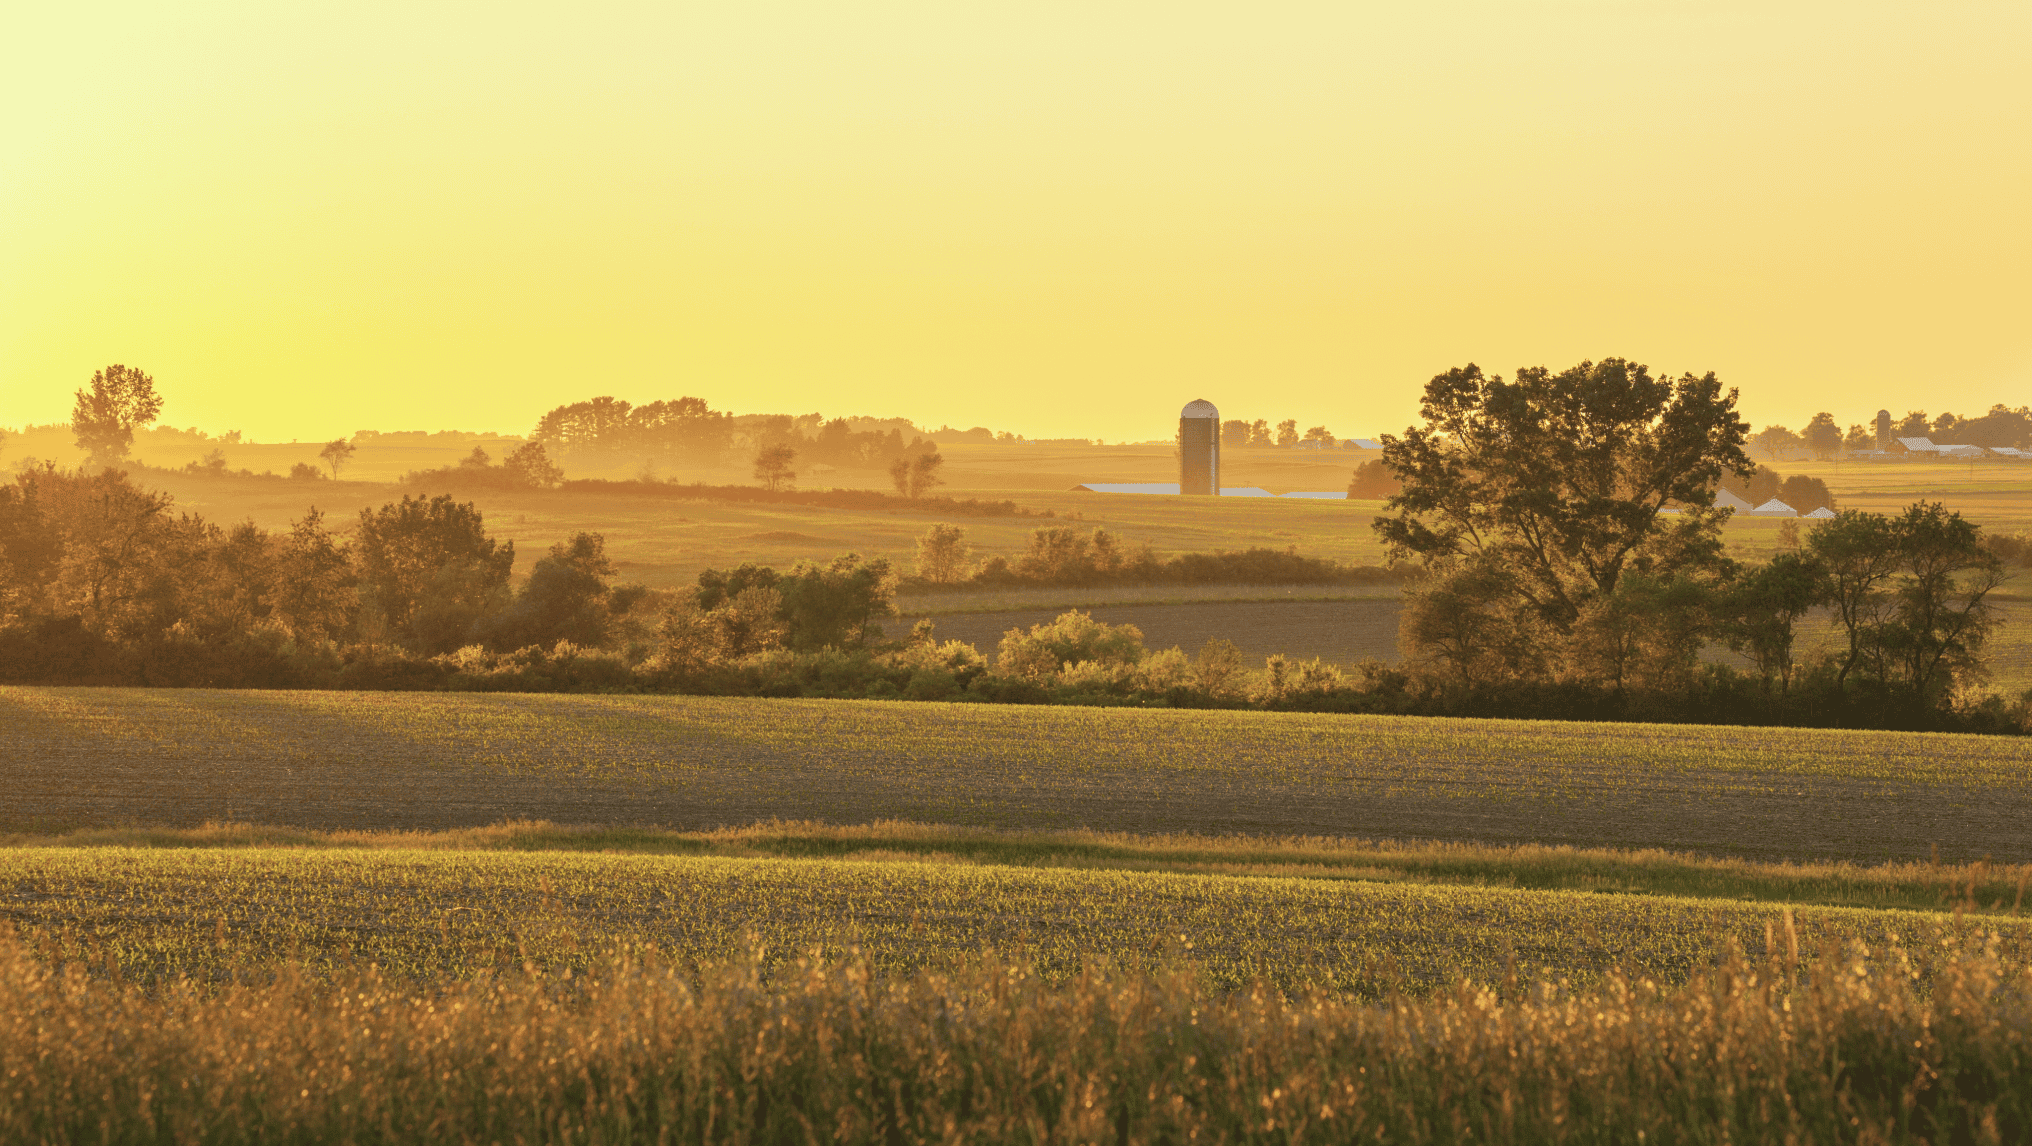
437 915
83 757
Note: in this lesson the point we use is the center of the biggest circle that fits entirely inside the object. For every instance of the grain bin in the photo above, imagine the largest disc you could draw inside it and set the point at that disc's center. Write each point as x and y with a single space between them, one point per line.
1199 449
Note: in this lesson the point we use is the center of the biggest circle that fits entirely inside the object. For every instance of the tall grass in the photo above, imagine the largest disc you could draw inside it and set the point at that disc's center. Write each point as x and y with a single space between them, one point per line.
1856 1046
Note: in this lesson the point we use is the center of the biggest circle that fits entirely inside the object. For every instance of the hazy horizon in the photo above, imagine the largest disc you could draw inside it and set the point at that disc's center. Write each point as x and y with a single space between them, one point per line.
1051 219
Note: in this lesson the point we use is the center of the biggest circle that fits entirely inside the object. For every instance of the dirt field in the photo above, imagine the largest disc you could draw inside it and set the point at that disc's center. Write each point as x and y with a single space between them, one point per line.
78 757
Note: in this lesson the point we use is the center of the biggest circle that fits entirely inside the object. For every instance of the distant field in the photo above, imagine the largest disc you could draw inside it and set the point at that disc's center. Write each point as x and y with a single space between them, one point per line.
444 915
75 757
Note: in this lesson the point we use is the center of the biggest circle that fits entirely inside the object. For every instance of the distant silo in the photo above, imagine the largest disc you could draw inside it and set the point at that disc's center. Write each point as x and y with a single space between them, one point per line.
1199 449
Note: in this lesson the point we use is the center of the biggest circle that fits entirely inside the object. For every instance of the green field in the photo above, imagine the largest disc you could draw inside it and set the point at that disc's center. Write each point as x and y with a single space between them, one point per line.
83 757
433 915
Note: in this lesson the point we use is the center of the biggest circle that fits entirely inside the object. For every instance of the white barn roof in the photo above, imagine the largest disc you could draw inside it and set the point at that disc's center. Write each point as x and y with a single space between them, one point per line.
1917 445
1246 491
1821 514
1365 443
1775 508
1723 499
1340 494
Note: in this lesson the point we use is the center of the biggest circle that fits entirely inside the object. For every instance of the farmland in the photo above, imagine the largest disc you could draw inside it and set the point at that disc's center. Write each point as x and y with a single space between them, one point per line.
83 757
438 915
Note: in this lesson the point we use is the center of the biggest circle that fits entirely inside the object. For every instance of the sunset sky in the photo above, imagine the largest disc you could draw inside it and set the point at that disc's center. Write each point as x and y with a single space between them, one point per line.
1055 218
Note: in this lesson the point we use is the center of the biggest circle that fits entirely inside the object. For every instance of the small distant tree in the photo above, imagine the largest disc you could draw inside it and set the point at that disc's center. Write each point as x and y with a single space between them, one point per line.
105 416
314 582
772 467
529 465
213 463
1804 494
477 460
1915 424
1372 481
1822 436
1859 438
943 556
336 454
1287 432
301 471
1234 432
1319 434
1259 433
916 474
1773 441
1068 639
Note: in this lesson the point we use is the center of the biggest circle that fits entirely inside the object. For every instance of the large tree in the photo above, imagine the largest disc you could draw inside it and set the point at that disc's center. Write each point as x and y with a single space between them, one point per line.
106 414
1558 481
430 572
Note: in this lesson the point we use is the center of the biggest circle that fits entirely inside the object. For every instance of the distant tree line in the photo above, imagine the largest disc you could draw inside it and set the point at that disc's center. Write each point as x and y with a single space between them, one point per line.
2001 426
1237 433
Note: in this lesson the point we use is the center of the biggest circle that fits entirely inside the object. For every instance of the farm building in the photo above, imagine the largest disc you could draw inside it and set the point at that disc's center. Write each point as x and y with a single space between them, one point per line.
1336 494
1723 499
1774 508
1199 449
1821 514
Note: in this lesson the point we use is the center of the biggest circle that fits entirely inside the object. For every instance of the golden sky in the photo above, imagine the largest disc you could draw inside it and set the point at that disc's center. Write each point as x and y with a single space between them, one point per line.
1058 218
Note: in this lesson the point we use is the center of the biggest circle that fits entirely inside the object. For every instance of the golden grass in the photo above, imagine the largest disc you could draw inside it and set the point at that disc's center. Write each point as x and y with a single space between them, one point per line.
1861 1045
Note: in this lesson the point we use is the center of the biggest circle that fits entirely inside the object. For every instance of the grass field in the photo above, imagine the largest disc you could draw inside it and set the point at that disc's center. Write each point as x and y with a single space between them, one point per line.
82 757
433 915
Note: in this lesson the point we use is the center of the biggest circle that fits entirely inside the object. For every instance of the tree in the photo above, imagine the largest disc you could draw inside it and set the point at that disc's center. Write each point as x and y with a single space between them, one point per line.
336 454
1914 424
915 474
772 467
314 594
942 555
1372 480
835 605
1319 434
301 471
1068 639
1942 616
1259 433
1234 433
565 599
1555 481
477 460
1803 493
529 465
1855 553
1761 613
1773 441
105 416
1859 438
1287 432
429 571
1822 436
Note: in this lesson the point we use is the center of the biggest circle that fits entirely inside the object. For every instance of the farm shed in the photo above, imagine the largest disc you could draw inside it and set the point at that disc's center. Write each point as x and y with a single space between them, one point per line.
1821 514
1723 499
1333 494
1774 508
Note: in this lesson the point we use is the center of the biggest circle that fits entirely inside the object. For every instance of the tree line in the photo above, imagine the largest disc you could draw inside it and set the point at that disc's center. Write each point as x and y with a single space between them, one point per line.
1536 508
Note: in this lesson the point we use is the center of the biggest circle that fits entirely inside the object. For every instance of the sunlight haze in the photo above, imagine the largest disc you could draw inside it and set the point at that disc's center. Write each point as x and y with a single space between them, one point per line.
1058 219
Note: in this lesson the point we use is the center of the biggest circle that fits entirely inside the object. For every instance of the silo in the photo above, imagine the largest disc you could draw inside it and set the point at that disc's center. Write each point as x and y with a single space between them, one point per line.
1199 449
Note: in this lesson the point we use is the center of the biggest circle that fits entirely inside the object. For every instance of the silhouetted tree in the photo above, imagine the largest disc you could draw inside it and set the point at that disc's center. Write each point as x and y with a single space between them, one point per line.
772 467
529 465
1287 432
837 604
916 474
119 399
565 599
1822 436
429 571
336 454
1373 480
942 555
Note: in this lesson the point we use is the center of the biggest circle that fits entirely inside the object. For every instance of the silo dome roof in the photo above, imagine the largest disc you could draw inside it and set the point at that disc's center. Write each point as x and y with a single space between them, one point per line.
1199 408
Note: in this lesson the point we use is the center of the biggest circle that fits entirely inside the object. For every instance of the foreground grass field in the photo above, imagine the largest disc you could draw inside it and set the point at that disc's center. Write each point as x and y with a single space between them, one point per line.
1850 1048
84 757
